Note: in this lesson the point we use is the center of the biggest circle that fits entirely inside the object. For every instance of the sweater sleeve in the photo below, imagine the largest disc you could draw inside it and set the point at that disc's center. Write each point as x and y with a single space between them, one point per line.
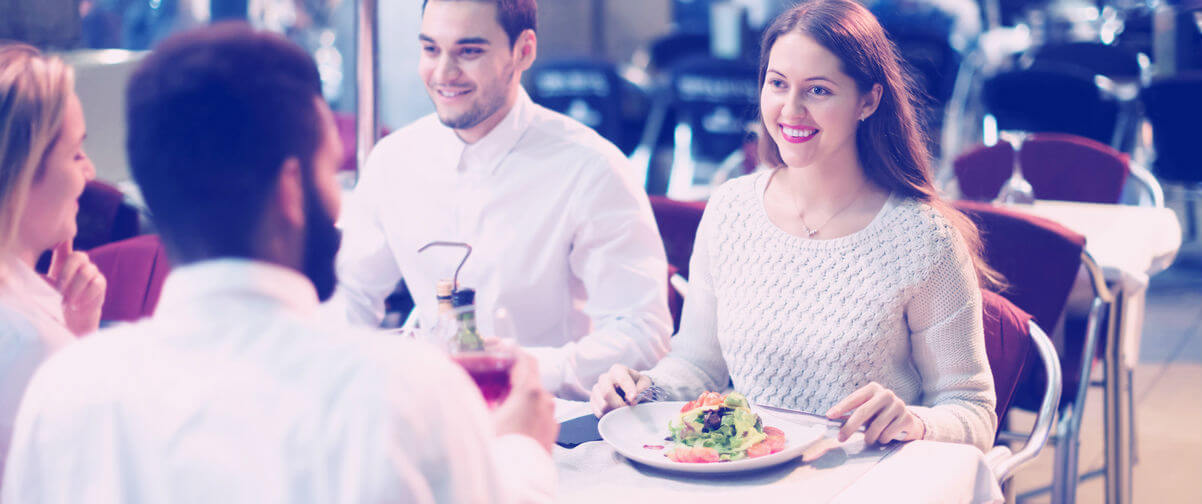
948 347
695 363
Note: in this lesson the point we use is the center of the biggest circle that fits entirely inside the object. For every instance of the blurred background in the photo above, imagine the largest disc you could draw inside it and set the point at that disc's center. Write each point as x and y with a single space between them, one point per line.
1096 101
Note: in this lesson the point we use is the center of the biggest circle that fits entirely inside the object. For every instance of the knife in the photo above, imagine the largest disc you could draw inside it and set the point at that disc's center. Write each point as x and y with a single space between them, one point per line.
834 424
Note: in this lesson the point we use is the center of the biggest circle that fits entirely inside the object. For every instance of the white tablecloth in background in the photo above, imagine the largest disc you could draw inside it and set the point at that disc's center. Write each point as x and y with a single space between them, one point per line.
1130 243
917 472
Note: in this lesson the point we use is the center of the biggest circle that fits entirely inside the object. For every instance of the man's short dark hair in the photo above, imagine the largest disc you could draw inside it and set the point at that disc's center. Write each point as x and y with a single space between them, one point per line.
213 114
514 16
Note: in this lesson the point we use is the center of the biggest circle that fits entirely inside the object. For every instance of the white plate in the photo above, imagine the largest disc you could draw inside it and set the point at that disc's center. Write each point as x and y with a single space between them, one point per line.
628 429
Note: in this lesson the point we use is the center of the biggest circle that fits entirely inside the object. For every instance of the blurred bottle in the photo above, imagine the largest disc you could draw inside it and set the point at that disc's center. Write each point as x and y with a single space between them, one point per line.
445 327
467 339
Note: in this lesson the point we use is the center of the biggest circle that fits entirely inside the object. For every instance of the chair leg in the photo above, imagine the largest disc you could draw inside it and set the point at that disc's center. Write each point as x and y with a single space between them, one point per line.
1131 416
1063 476
1191 221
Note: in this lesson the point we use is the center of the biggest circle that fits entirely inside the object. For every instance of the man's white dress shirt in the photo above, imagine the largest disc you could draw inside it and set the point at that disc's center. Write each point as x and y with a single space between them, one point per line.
235 392
561 238
31 328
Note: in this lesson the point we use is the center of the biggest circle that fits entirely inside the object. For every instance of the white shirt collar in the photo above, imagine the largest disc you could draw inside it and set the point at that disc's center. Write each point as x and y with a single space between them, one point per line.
487 153
193 284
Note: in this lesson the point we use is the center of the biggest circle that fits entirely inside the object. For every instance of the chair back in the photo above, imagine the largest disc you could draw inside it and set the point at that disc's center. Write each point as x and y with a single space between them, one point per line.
587 91
103 216
1040 260
1060 100
703 116
1058 166
135 270
665 52
1117 62
716 99
677 221
1007 345
347 132
1174 107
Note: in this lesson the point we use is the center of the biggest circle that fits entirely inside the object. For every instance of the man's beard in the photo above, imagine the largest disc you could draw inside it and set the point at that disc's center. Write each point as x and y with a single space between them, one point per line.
322 240
488 106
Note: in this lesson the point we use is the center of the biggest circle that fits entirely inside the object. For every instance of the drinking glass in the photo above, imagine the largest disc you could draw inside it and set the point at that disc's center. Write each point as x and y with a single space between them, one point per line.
1016 190
491 366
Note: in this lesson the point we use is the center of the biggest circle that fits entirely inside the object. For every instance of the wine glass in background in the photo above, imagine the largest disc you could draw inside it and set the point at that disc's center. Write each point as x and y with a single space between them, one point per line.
1016 190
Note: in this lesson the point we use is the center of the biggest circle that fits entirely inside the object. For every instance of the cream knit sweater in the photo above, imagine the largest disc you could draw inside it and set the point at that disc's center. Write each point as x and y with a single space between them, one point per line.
800 324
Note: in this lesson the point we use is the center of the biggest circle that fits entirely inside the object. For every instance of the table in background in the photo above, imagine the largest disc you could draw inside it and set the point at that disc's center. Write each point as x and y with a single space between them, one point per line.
1129 243
918 472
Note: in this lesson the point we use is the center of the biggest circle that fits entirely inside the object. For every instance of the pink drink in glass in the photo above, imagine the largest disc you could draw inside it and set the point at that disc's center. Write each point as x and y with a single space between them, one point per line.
490 370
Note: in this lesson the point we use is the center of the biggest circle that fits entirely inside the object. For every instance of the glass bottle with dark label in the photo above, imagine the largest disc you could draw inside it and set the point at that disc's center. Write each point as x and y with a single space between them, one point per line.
467 339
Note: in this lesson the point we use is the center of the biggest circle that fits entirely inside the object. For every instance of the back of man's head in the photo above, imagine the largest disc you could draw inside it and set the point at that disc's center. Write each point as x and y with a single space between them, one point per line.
212 116
514 16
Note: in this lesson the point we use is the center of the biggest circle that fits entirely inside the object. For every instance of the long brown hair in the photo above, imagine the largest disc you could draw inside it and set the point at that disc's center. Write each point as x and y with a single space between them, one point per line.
890 143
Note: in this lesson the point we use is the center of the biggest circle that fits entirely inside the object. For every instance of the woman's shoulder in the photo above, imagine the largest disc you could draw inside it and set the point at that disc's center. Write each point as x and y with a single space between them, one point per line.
920 218
925 231
739 191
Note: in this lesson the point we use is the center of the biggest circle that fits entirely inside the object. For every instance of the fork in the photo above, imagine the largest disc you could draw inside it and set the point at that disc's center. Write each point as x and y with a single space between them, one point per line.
650 394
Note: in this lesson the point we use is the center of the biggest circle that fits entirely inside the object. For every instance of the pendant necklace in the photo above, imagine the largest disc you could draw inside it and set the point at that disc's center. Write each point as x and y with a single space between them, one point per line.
810 232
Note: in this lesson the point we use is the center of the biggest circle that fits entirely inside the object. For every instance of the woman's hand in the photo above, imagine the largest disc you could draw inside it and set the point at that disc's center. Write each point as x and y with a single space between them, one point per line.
880 410
81 285
616 388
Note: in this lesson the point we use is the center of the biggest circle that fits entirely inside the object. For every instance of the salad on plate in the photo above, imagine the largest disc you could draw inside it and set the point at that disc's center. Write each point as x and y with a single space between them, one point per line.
720 428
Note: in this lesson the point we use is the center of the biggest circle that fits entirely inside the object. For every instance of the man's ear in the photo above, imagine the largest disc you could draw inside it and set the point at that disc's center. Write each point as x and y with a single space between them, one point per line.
288 203
526 48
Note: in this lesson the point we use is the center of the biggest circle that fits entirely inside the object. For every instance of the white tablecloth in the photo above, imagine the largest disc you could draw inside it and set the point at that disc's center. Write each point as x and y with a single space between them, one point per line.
1130 243
917 472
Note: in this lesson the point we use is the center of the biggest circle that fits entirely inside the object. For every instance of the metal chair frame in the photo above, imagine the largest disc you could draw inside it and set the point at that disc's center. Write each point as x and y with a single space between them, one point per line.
1066 439
1004 463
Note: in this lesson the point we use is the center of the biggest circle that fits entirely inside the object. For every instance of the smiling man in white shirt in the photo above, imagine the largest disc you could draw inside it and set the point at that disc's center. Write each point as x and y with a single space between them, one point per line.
234 391
563 240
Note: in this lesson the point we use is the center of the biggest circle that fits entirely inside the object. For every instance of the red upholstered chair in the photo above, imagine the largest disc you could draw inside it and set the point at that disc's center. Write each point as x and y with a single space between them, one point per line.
346 132
103 217
1007 343
677 222
135 270
1010 336
1040 261
1059 166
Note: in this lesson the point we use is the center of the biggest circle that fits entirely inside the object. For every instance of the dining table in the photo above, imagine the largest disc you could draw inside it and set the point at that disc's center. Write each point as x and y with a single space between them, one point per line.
1130 244
828 471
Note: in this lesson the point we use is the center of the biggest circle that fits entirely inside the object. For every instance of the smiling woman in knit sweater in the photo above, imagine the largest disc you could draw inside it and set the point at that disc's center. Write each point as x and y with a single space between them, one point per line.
837 282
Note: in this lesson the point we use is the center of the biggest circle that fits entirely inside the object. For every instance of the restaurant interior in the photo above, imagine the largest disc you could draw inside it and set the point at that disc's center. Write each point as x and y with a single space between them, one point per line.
1070 131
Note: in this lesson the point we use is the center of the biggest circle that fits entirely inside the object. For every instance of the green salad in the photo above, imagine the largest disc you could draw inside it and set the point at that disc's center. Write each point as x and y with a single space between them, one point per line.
717 428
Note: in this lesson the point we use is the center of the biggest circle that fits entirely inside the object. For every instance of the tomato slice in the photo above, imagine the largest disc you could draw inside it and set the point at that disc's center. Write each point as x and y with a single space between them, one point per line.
703 454
759 450
677 454
776 439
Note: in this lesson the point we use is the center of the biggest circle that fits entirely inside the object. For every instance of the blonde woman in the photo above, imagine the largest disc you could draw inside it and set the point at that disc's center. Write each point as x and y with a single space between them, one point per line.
43 170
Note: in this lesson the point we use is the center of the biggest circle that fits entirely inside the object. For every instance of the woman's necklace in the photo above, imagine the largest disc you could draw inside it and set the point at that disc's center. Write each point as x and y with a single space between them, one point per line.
810 232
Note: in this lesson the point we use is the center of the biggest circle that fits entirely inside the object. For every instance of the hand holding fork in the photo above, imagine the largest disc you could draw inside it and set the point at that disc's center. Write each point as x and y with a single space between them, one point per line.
622 386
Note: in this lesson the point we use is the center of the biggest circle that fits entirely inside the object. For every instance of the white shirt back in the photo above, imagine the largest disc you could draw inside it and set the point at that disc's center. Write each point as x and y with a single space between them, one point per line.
234 392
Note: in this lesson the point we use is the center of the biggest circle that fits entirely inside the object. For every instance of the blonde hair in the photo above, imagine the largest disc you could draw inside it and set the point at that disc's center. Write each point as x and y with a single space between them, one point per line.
34 90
